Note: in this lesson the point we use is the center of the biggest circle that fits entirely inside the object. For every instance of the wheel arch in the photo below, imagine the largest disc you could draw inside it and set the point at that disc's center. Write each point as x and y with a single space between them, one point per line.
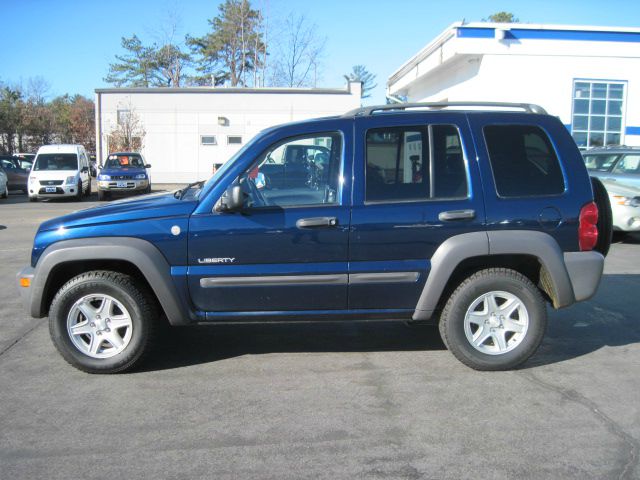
136 257
534 254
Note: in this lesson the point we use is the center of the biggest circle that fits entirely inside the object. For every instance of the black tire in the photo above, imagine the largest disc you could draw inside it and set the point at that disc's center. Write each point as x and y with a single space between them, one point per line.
102 195
88 192
605 217
33 199
79 191
5 194
139 303
148 189
452 320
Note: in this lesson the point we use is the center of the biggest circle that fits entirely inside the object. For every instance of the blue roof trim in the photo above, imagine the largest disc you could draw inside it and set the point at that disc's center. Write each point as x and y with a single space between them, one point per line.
632 131
532 34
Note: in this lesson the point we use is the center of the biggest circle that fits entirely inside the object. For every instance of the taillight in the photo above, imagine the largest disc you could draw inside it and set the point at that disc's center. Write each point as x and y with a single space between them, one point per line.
588 231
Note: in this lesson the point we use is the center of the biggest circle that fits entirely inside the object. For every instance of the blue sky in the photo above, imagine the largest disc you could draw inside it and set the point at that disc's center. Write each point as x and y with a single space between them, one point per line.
70 43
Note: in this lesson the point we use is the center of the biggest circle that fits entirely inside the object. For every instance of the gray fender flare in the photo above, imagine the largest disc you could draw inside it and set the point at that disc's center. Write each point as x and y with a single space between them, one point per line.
468 245
144 255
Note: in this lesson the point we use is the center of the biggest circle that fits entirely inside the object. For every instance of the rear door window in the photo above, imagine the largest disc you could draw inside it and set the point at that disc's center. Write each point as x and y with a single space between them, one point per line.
414 163
523 161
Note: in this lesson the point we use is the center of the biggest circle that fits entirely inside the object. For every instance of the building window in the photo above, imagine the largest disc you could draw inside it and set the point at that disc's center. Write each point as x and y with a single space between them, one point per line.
123 117
234 140
208 140
597 113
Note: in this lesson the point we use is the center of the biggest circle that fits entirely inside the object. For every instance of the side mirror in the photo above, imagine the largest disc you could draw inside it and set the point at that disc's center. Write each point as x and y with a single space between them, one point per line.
148 165
231 201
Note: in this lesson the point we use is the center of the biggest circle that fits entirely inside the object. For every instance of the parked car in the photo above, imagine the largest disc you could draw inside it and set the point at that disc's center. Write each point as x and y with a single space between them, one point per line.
614 164
4 184
25 159
60 171
93 165
16 175
625 206
426 214
123 172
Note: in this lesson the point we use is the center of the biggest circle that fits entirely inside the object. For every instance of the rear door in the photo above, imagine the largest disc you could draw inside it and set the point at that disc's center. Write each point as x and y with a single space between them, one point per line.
417 184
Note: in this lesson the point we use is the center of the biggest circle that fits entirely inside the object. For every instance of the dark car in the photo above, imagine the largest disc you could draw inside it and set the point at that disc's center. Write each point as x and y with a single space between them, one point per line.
474 220
18 177
123 172
614 164
25 159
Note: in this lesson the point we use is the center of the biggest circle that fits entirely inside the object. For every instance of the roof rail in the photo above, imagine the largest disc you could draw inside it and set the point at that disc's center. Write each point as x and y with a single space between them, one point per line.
365 111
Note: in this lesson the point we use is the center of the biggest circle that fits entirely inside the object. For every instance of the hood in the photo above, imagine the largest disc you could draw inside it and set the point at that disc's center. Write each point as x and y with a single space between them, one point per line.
615 188
53 174
131 209
122 171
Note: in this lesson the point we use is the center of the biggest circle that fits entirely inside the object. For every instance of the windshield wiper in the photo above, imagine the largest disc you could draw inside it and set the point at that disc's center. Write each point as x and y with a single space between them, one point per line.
179 194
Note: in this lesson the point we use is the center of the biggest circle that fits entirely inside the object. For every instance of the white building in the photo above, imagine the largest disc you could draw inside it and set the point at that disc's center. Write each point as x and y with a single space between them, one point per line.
587 76
188 130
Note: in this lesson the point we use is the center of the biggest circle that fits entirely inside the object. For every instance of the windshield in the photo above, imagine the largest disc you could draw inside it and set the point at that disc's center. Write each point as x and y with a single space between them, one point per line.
124 161
56 161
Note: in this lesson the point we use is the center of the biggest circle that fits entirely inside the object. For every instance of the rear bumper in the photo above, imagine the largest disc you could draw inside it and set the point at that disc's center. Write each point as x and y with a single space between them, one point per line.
585 272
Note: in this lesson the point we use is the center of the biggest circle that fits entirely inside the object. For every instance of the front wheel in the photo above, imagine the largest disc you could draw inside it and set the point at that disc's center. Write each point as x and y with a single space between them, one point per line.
102 322
494 320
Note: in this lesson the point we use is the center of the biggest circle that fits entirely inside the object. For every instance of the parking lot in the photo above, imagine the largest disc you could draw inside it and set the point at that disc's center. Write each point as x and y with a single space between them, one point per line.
332 400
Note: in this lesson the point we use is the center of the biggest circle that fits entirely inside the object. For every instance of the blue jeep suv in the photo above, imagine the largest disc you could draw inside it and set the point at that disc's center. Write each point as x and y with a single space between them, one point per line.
471 219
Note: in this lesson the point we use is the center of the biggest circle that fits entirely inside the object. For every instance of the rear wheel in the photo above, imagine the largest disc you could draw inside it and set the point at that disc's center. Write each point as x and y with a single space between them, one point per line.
494 320
605 217
102 322
33 199
5 194
88 193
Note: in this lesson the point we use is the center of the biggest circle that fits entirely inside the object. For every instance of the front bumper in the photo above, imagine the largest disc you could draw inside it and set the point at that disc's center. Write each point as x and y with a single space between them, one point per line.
24 283
122 185
52 191
585 272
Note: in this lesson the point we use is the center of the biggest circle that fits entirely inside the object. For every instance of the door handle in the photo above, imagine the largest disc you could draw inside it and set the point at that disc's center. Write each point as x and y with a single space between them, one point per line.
456 215
317 222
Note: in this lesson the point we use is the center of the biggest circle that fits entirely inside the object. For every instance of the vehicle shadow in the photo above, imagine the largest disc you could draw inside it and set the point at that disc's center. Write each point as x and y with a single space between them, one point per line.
203 344
571 333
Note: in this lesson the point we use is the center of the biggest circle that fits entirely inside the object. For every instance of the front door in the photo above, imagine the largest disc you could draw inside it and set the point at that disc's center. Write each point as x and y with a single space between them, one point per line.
417 185
287 250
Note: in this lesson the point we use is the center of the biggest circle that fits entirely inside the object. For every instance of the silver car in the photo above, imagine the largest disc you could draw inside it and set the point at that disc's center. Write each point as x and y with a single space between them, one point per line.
625 206
614 164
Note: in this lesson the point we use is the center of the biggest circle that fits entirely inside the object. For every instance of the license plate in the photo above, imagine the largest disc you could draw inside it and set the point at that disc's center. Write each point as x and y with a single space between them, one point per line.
121 184
50 189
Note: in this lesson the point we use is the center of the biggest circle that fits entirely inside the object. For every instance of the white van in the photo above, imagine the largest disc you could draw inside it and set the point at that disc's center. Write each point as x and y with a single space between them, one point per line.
60 171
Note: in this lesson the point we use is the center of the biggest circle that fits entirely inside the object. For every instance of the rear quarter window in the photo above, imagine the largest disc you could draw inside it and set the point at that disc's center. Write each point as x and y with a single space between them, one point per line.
523 161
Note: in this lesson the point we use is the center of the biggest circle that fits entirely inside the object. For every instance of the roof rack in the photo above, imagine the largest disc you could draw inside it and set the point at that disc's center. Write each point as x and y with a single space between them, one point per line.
365 111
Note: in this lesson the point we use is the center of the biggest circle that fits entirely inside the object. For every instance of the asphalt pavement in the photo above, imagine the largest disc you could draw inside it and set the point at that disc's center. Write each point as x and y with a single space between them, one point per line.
323 400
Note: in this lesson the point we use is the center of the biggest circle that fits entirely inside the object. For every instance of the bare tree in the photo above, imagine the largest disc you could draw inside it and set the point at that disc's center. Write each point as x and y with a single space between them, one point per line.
298 53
